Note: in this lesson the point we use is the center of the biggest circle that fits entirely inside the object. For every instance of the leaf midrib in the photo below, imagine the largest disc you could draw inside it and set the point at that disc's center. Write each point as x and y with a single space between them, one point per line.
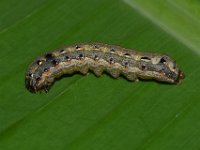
191 46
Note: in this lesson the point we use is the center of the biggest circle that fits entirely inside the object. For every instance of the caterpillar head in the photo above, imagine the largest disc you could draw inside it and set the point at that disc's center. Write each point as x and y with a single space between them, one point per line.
160 67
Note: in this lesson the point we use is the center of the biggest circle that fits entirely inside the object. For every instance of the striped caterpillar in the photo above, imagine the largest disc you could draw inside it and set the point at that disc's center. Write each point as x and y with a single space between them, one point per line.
98 58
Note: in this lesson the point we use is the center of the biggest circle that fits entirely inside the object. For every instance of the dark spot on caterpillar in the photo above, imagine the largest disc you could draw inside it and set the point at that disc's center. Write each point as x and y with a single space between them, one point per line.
112 50
77 47
126 63
127 54
67 57
80 56
111 60
39 62
96 57
162 60
55 62
38 78
30 75
143 67
145 58
95 46
45 69
49 56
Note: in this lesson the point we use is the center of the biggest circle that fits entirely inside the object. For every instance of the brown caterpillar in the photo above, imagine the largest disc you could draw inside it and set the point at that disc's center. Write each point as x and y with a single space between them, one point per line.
99 58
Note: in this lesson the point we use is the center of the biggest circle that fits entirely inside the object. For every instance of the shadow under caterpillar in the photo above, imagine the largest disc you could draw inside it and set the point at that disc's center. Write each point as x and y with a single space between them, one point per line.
99 57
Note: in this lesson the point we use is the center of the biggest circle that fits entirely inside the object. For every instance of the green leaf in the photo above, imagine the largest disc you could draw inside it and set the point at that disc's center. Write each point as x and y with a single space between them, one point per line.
86 112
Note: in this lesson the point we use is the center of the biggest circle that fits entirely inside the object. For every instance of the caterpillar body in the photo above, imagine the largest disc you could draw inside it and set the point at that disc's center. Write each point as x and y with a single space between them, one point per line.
98 58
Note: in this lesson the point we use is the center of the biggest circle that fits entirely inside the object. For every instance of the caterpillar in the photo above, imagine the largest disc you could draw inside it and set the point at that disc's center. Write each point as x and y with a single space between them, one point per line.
99 58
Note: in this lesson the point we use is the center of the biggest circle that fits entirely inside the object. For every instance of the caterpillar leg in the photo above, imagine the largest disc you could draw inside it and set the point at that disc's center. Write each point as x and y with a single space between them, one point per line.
114 71
98 71
84 69
131 76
